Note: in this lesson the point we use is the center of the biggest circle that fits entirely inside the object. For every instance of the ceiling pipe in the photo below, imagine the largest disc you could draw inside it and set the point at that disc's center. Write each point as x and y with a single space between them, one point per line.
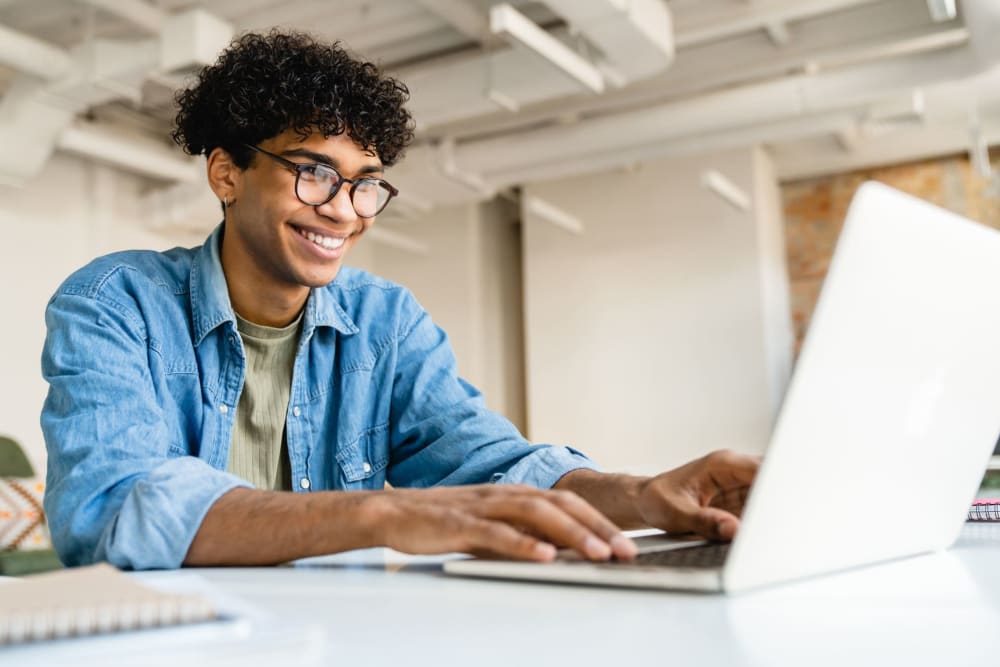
27 54
135 154
136 12
753 16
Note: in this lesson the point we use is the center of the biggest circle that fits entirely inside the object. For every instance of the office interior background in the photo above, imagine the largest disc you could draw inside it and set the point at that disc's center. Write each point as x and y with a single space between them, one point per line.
620 210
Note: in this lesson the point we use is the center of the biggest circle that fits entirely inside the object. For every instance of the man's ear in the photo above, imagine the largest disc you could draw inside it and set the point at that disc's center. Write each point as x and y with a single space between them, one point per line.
224 176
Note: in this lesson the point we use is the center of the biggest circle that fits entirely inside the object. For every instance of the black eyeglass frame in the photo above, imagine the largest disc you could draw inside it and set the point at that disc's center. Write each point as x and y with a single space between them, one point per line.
299 167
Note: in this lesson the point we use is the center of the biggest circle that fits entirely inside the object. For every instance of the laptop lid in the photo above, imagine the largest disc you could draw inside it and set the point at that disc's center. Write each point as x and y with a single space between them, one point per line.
894 407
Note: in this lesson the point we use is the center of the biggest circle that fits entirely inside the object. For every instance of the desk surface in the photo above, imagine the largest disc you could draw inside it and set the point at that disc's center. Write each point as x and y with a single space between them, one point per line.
377 607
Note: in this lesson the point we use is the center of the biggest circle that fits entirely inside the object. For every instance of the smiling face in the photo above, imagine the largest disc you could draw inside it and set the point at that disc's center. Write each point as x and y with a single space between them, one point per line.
275 247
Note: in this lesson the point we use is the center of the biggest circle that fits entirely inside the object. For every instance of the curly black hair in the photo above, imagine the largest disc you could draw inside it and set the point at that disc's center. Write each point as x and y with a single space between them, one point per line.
265 84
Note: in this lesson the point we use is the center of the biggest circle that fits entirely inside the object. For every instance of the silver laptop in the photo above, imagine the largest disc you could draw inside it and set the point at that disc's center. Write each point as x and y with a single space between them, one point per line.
887 426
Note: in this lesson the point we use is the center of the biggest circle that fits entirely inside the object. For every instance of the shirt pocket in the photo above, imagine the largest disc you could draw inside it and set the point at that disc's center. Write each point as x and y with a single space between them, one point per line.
363 462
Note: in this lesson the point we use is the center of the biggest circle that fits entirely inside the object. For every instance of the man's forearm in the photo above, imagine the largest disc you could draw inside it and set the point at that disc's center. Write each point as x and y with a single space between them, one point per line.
254 527
614 495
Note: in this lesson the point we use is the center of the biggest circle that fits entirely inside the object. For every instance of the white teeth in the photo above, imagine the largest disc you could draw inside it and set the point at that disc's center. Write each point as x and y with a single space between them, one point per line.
324 241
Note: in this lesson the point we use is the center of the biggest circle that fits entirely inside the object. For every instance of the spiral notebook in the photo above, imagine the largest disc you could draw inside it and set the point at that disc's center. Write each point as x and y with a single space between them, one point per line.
985 509
89 600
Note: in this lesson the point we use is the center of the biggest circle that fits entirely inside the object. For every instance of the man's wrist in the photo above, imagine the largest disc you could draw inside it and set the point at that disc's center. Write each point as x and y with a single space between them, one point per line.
617 496
373 513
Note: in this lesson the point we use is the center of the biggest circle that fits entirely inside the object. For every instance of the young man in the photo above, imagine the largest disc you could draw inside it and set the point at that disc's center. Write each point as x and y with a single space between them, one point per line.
192 391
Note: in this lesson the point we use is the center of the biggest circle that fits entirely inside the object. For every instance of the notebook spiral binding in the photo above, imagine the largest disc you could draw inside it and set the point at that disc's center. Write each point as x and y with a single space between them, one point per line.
105 619
98 599
985 510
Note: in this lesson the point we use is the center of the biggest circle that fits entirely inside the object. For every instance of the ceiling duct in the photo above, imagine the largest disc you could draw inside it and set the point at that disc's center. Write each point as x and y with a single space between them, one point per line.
635 37
520 30
32 56
34 112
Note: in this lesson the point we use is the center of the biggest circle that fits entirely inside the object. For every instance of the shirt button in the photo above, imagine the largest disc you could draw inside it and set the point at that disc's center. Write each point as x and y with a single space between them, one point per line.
296 411
231 340
223 409
366 467
304 483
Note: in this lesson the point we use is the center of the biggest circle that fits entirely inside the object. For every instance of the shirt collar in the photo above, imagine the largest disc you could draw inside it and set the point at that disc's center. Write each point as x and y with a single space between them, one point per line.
210 305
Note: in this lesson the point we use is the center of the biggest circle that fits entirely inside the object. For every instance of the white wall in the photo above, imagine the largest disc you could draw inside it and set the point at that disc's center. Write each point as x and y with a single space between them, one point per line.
469 281
70 213
645 335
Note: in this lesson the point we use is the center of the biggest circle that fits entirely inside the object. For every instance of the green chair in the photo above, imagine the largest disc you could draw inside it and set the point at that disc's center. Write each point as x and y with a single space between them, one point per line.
15 476
13 462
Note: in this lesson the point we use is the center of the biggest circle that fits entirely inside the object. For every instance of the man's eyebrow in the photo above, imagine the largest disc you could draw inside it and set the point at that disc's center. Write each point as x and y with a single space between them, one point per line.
327 160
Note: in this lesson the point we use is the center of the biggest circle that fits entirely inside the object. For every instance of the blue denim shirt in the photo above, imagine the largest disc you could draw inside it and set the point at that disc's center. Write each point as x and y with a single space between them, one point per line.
145 369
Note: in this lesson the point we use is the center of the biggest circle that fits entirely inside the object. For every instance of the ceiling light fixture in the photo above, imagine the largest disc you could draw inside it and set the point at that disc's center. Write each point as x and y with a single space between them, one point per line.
553 214
717 182
942 10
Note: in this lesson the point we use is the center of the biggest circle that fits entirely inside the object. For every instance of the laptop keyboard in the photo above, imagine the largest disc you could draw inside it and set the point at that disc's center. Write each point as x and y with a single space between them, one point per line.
705 556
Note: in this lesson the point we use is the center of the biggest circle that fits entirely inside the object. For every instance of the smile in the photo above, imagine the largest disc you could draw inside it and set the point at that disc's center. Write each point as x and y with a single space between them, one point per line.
329 242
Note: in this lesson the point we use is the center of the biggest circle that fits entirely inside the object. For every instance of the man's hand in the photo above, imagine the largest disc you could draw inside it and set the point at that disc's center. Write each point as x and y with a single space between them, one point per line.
705 496
497 520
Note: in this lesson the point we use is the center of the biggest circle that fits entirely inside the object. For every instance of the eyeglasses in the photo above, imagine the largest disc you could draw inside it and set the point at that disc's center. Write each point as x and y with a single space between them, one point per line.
316 184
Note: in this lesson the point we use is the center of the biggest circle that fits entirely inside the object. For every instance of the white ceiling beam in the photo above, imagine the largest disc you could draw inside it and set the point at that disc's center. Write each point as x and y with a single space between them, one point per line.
752 16
463 16
794 161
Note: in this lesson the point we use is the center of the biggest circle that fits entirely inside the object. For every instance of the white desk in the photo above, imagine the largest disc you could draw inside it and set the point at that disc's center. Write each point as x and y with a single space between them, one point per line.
377 607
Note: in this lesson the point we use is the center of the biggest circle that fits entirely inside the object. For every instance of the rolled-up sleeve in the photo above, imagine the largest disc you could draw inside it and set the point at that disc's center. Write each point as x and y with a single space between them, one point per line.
120 488
443 434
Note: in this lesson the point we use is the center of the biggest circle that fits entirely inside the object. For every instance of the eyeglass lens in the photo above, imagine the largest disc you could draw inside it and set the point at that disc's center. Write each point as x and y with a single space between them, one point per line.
316 183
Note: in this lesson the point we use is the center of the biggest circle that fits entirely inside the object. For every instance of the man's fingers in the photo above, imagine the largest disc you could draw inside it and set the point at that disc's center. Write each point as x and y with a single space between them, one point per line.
713 523
495 538
600 525
538 514
563 519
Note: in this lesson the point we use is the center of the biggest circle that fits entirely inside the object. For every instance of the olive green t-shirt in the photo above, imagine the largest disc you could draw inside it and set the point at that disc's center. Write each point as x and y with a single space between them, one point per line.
258 451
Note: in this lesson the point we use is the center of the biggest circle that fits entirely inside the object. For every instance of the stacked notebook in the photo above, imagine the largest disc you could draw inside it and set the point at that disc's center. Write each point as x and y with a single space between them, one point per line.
86 601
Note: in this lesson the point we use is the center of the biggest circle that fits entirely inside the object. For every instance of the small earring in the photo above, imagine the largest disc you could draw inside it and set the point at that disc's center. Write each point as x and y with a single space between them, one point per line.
225 201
